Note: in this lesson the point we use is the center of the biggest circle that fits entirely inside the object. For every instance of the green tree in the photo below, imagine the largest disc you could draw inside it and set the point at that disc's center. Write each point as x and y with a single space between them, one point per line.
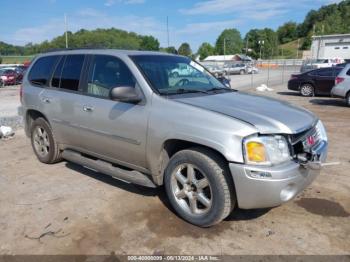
287 32
268 43
230 40
185 49
205 50
171 50
149 43
0 60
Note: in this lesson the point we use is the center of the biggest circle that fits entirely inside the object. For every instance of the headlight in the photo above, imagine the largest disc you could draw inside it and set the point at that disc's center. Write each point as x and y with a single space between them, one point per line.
321 131
266 150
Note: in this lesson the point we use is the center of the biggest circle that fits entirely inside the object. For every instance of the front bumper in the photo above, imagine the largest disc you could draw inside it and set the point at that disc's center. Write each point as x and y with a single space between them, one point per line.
262 187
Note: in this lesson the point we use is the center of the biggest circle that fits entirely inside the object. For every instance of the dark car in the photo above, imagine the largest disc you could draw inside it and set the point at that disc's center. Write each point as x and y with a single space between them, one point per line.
8 76
315 82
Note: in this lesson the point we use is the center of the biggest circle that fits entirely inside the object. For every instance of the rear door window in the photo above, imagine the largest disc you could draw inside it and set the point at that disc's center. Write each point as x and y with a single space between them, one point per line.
325 72
41 70
71 72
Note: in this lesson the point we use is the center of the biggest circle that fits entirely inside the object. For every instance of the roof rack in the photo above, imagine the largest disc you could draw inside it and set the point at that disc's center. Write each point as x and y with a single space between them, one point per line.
72 49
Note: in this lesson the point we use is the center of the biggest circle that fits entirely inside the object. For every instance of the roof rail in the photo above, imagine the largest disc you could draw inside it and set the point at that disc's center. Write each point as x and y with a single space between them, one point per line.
71 49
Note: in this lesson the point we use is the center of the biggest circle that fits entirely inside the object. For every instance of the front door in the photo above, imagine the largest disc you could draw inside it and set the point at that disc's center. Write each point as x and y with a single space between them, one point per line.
115 130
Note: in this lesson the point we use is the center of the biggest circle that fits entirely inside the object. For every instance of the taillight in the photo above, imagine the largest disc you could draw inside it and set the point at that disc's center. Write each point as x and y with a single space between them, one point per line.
338 80
21 93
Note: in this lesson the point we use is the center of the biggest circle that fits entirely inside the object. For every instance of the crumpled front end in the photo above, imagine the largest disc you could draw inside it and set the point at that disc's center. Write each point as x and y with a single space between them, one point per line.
268 186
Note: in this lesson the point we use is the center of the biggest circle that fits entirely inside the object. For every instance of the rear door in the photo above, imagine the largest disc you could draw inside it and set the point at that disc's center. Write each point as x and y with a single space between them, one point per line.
113 130
63 98
324 81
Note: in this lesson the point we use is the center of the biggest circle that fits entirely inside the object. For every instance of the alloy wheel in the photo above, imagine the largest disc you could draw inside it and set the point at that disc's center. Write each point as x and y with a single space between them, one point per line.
41 141
307 90
191 189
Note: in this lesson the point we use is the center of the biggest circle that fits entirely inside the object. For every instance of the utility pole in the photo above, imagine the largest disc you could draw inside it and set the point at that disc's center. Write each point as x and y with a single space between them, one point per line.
261 42
167 29
66 29
298 48
246 46
225 49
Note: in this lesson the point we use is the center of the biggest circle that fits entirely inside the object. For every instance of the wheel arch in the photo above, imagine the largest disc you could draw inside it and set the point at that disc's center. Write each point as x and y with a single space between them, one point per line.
171 146
30 116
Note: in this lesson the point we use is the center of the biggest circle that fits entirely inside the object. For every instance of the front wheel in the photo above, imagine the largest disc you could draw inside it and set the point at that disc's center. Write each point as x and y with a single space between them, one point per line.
242 72
348 99
199 186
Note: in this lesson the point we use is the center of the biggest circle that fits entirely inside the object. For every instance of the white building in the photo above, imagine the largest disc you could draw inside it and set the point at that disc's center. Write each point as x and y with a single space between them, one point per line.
331 46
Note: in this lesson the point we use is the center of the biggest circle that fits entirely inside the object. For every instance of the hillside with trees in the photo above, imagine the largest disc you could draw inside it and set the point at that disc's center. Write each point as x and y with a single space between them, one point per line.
99 38
281 43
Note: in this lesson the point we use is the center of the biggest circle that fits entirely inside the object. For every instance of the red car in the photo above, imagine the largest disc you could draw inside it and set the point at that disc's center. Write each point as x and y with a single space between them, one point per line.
9 77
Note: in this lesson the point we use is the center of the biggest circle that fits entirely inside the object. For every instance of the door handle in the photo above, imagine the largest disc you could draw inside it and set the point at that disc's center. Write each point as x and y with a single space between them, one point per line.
88 108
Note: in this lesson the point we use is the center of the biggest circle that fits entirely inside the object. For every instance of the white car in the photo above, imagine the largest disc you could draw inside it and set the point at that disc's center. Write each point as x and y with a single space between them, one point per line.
342 85
320 63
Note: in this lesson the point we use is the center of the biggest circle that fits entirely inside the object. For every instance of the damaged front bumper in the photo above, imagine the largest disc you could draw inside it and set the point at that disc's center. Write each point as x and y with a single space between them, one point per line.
262 187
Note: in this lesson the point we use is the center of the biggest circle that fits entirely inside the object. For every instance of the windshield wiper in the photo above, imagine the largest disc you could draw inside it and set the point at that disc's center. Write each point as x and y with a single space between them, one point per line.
221 88
184 91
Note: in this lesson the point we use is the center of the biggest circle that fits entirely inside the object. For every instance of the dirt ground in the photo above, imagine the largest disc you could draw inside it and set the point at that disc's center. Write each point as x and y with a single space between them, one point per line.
66 209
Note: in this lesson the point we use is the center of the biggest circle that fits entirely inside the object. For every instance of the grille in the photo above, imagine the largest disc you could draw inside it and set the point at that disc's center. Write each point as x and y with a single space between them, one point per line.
305 141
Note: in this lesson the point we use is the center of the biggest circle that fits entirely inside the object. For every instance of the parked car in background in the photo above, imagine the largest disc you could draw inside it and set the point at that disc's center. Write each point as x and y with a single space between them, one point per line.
9 76
315 82
216 70
230 69
184 70
252 69
342 85
320 63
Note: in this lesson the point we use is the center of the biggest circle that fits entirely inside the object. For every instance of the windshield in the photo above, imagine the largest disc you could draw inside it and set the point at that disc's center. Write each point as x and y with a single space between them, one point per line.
175 74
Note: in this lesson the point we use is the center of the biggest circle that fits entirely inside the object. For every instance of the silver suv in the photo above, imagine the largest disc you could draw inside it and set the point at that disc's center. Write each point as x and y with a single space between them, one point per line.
342 85
124 114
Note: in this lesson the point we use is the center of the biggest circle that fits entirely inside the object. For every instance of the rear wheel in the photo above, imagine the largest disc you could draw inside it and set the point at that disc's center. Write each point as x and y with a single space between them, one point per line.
199 186
242 72
307 90
43 142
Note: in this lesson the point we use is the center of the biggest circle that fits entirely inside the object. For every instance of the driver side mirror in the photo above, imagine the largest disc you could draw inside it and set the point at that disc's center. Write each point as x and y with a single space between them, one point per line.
126 94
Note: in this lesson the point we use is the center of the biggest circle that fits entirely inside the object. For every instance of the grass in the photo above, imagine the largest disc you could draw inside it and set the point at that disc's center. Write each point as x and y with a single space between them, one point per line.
290 49
16 59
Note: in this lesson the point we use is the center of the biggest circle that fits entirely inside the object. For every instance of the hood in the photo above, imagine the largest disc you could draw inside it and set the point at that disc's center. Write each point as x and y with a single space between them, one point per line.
268 115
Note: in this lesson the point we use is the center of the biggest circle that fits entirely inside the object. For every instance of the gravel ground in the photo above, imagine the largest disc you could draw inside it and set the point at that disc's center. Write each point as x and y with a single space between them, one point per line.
9 97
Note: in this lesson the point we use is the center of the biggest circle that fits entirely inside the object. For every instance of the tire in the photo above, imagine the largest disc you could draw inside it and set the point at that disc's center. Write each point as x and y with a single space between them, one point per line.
242 72
43 142
211 189
307 90
175 74
347 101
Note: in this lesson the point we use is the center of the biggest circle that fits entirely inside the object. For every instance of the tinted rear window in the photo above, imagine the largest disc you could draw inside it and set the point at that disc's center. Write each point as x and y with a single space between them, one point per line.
71 72
41 70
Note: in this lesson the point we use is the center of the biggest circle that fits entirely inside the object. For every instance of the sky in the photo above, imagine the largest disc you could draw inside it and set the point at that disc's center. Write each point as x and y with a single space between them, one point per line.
190 21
